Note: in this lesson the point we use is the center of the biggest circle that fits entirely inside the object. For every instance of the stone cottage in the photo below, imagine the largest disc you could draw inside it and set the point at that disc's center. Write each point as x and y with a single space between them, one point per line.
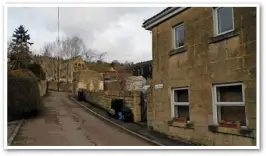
204 74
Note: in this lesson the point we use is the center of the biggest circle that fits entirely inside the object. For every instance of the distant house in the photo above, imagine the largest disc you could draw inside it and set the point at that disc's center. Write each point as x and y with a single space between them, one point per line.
110 74
114 76
142 69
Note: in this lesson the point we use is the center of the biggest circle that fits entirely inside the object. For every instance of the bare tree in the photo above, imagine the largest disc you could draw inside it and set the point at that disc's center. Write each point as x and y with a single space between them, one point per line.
9 48
47 49
66 48
101 56
128 66
121 80
51 63
89 55
70 47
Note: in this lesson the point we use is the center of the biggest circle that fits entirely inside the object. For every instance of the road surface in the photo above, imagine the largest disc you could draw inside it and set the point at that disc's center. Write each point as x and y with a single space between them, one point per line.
65 123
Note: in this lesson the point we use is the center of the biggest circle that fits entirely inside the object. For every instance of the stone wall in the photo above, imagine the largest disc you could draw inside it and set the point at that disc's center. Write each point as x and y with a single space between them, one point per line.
112 85
201 65
65 87
104 98
42 86
89 79
62 86
52 86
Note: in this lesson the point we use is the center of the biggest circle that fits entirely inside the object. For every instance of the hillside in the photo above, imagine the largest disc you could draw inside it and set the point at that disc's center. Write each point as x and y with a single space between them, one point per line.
99 67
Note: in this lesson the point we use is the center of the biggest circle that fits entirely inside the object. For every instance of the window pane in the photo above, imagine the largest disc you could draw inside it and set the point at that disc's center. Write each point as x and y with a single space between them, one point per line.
182 111
229 94
181 95
232 114
225 19
179 36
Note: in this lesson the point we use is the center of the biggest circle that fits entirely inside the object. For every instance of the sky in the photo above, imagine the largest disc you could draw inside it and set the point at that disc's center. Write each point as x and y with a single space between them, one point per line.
116 31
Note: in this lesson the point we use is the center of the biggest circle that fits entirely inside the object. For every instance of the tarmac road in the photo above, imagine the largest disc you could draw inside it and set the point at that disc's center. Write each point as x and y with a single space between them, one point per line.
65 123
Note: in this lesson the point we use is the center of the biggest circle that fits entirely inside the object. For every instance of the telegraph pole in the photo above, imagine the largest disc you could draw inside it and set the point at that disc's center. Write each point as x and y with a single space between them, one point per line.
58 48
58 24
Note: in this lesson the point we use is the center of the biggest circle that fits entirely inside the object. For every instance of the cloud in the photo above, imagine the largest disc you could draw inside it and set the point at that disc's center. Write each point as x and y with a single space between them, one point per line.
117 31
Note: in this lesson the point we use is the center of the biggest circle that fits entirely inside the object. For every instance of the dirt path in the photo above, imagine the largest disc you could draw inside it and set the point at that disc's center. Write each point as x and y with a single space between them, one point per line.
65 123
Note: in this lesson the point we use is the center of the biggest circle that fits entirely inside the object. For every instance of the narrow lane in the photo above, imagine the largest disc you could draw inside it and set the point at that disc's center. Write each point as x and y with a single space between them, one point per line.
65 123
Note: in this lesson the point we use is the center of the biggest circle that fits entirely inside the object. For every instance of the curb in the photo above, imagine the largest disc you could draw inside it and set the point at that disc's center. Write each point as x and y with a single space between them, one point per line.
134 133
14 133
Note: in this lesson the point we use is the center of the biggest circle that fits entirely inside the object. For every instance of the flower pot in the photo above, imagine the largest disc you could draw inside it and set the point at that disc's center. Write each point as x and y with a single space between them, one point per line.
181 120
229 125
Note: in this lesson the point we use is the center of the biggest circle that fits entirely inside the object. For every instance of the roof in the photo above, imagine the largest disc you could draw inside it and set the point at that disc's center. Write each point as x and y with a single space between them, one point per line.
111 69
156 15
142 63
162 16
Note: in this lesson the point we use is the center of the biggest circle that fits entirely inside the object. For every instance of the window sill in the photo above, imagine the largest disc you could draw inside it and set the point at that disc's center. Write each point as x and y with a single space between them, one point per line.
245 132
184 125
224 36
177 51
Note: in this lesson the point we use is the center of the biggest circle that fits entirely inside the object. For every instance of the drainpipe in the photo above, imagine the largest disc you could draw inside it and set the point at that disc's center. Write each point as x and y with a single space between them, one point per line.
157 71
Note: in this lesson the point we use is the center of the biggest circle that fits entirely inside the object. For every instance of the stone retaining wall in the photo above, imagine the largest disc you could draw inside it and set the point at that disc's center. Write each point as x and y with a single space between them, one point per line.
104 98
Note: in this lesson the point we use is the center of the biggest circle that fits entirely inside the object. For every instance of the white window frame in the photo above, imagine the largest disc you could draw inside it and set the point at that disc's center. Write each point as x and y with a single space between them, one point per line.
173 103
215 103
215 23
174 36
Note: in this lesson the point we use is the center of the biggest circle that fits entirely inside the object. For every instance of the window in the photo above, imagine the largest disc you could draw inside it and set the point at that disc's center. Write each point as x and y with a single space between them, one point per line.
178 36
150 68
142 71
224 20
229 105
180 103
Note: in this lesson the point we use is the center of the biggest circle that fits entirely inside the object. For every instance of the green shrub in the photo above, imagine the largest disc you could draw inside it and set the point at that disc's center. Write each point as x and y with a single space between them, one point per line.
22 73
37 70
23 97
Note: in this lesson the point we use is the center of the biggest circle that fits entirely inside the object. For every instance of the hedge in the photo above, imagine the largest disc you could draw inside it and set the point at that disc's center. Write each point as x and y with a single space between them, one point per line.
22 73
23 97
37 70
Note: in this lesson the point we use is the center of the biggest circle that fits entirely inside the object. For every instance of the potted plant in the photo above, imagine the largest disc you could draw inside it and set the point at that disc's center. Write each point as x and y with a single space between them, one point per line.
229 124
180 120
189 124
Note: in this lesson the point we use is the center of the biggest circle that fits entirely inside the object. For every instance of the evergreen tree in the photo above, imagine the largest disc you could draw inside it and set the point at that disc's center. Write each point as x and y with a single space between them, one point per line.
20 53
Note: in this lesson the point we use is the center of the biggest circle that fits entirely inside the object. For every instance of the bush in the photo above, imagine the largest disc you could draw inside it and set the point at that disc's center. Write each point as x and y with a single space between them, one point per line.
22 73
23 97
37 70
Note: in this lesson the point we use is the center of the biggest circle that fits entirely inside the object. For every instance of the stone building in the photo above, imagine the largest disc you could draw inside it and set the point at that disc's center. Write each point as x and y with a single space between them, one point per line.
142 69
204 74
87 79
69 66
